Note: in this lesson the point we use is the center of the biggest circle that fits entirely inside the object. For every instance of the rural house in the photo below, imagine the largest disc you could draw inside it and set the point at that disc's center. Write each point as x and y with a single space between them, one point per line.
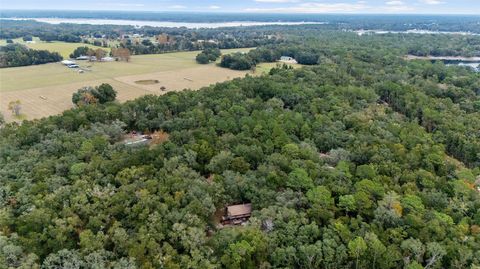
288 59
237 214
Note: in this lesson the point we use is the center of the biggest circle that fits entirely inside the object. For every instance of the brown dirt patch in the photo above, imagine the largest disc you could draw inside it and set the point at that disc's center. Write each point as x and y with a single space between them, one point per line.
188 78
147 81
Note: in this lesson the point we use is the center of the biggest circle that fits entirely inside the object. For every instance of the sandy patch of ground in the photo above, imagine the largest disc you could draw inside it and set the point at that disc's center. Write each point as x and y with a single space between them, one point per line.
189 78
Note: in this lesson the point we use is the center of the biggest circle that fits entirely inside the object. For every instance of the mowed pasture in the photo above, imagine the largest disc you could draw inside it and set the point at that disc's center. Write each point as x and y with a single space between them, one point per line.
63 48
46 90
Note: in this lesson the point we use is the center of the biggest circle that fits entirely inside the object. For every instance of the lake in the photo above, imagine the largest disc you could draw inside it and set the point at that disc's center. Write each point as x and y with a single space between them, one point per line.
140 23
471 62
474 66
412 31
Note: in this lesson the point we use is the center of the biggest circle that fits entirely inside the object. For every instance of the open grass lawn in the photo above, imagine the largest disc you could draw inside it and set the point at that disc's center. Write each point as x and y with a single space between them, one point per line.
47 89
63 48
264 68
27 77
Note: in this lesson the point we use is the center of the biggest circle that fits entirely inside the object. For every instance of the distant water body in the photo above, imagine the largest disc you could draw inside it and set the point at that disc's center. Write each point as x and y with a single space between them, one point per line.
412 31
192 25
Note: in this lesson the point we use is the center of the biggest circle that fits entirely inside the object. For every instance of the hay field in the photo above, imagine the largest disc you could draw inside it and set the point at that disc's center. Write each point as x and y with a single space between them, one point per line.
46 90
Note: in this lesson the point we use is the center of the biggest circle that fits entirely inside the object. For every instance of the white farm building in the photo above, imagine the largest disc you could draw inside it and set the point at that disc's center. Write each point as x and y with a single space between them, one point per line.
67 62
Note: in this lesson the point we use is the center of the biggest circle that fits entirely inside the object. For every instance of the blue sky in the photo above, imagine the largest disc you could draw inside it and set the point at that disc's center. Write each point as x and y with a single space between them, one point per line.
263 6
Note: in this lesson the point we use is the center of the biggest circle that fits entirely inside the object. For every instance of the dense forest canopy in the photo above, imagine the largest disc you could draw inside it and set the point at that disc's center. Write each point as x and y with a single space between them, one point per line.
361 160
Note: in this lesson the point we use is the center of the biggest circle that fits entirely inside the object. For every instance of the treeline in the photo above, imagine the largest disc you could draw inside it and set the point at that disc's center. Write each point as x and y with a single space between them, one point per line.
186 43
183 39
56 32
461 45
13 55
304 55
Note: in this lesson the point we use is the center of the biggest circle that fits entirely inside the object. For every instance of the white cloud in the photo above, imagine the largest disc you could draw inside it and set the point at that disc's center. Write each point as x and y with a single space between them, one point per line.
177 7
277 1
121 4
314 8
393 6
432 2
214 7
395 3
396 9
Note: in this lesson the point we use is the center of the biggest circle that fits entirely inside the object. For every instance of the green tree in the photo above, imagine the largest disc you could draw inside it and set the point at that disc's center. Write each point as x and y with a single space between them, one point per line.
105 93
298 179
202 58
238 255
65 259
347 203
357 247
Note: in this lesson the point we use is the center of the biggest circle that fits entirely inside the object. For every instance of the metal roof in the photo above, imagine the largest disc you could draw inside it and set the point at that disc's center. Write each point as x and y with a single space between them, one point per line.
235 210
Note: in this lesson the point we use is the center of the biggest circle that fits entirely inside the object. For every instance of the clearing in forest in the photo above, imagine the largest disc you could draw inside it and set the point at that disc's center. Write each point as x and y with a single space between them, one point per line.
47 89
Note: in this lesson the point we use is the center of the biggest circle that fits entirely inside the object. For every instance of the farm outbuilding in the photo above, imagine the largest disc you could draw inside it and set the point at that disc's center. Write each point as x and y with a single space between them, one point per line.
68 62
83 58
107 59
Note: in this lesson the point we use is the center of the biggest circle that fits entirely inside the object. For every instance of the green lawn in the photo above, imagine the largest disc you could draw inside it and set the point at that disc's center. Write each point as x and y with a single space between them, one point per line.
63 48
264 68
27 77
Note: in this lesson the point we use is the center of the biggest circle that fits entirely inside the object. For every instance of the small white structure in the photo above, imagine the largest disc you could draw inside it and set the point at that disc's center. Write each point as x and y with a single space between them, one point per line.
73 66
288 59
68 62
107 59
83 58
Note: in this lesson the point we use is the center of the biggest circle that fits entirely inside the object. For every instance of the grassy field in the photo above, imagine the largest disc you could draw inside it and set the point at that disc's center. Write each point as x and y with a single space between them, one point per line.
264 68
47 89
20 78
63 48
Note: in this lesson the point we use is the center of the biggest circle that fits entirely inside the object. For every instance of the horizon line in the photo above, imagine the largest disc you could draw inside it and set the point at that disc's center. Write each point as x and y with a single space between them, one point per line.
242 12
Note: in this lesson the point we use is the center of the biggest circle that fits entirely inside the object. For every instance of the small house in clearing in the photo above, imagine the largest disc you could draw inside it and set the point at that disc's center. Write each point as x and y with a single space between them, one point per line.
237 214
288 59
135 138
